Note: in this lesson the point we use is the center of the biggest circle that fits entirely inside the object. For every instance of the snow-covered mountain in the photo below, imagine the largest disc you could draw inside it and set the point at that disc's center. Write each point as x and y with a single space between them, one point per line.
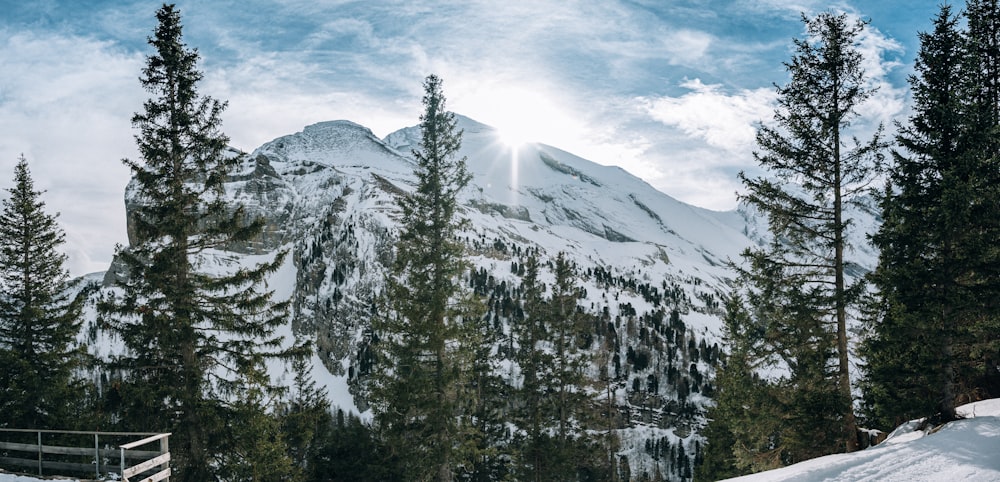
652 268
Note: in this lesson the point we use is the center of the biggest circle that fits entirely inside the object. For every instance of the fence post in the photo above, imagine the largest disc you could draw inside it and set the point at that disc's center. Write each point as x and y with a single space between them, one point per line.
39 453
122 473
164 448
97 456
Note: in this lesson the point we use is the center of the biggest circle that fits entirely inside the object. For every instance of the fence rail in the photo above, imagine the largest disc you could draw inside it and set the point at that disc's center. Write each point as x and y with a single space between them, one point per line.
67 459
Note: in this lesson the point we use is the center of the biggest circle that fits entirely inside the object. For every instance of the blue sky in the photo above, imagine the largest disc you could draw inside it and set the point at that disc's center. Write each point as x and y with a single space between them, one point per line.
669 90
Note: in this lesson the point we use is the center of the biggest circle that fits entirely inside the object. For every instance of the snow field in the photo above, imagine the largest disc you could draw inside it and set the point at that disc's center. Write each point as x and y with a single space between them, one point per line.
966 449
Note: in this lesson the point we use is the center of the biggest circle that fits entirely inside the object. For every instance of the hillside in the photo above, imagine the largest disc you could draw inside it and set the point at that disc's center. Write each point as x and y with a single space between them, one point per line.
652 268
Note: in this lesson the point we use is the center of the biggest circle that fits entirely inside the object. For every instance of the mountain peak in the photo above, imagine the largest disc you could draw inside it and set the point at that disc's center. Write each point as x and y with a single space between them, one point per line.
471 125
408 138
335 125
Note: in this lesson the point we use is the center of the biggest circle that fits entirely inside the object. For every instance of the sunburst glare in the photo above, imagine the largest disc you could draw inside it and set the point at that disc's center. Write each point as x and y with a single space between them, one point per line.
513 136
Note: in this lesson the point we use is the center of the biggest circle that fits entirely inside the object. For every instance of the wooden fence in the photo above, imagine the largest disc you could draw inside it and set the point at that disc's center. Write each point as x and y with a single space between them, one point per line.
59 452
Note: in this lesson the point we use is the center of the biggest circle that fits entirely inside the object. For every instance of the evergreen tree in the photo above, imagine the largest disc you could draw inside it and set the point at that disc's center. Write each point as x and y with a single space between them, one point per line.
908 362
932 339
39 318
807 148
553 357
255 444
488 448
973 195
307 415
565 377
532 358
421 396
348 450
761 424
736 444
196 327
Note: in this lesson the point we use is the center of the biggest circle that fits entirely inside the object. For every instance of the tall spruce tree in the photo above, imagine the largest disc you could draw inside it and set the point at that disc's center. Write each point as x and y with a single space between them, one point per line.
532 358
552 357
197 328
565 377
808 148
933 340
39 318
421 393
909 366
977 199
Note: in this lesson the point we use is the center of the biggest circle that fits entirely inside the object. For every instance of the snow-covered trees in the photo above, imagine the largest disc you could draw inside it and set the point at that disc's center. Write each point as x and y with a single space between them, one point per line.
39 318
196 335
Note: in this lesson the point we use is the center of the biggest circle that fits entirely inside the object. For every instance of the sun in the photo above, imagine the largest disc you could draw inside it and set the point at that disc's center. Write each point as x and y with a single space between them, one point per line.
521 115
513 136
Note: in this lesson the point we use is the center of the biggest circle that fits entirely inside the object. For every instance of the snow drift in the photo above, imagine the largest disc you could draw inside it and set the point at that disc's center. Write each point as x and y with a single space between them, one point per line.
966 449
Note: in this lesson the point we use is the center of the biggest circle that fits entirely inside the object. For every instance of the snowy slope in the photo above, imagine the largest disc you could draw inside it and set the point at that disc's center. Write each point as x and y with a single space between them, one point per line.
573 198
962 450
25 478
651 267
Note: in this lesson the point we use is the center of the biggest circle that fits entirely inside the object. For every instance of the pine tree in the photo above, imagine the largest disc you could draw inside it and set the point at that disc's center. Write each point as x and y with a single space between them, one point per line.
532 359
552 357
347 449
421 394
39 318
807 148
565 377
306 416
197 335
255 444
761 424
908 351
936 278
487 448
974 195
736 444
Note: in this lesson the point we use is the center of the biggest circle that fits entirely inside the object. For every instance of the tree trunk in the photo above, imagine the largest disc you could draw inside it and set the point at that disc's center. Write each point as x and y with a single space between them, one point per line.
844 374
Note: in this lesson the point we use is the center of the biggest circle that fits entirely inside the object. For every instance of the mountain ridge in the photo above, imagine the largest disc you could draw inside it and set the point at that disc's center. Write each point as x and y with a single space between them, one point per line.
652 268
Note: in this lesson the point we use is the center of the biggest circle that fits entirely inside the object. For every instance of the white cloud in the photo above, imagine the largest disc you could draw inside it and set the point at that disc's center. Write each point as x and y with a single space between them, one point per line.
888 103
722 120
66 104
809 7
686 47
710 130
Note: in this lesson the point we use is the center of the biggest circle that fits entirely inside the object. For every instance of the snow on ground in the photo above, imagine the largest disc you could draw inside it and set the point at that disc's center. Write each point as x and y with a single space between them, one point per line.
24 478
962 450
